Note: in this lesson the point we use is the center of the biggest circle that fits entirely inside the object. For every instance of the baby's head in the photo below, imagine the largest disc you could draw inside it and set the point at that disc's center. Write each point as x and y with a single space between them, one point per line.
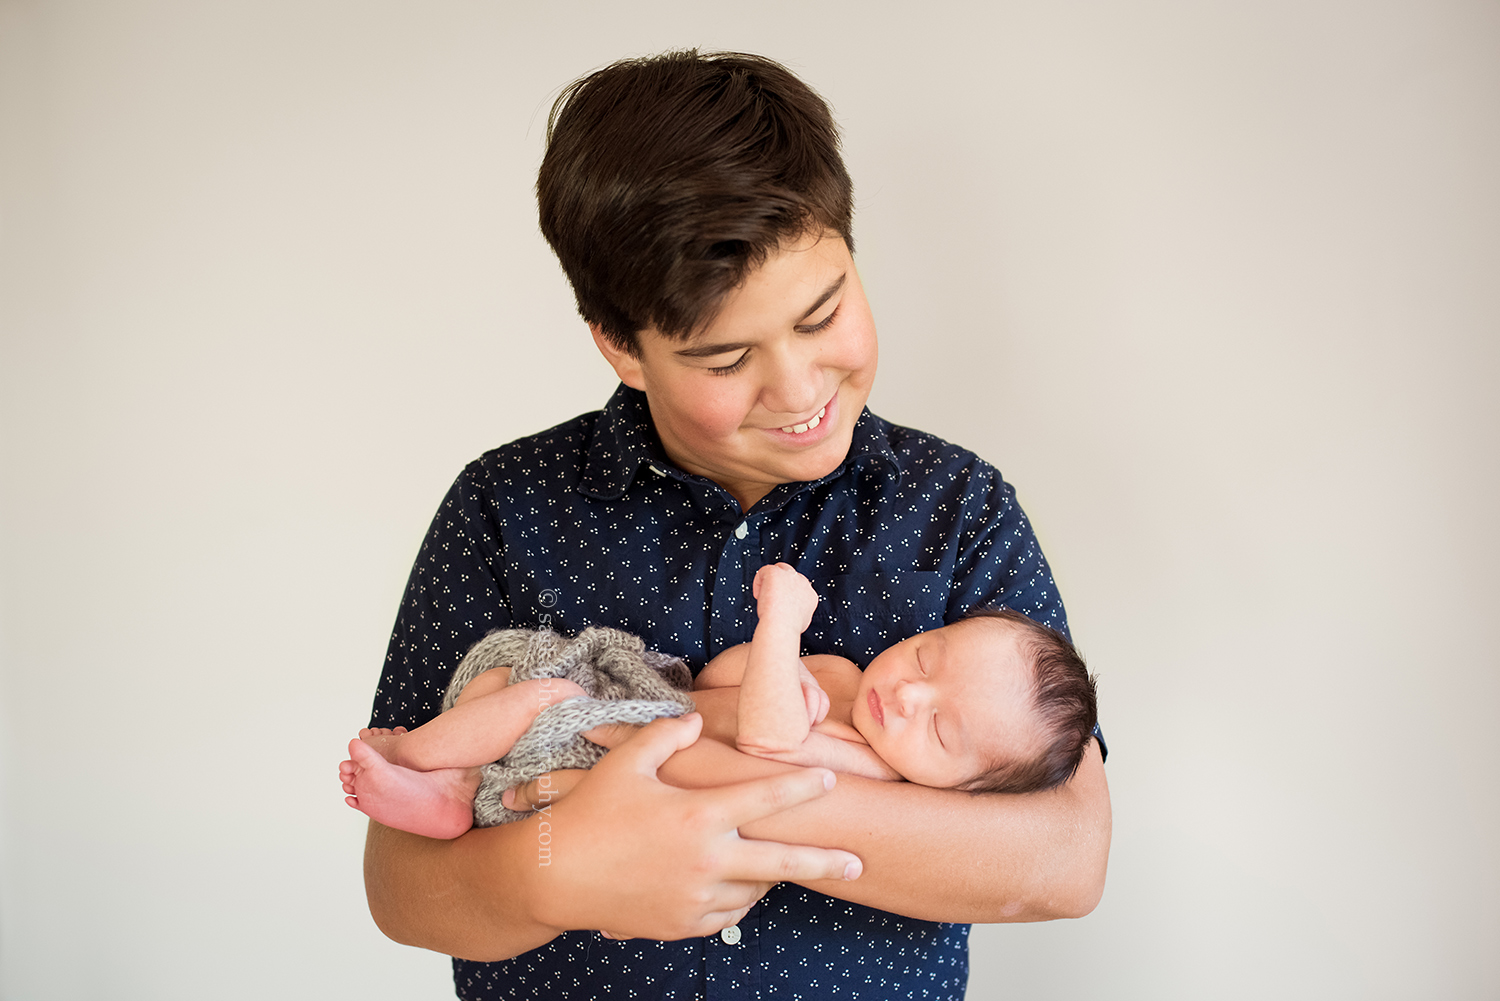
993 703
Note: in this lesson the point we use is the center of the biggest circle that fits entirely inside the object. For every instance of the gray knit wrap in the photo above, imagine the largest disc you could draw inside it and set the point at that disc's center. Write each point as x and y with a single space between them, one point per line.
625 682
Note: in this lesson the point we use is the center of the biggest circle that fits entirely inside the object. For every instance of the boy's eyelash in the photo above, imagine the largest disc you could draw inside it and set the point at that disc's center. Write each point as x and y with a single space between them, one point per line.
823 324
731 369
743 359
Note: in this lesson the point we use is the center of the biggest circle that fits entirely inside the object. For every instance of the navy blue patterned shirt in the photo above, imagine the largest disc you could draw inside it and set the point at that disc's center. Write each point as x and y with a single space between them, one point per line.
590 524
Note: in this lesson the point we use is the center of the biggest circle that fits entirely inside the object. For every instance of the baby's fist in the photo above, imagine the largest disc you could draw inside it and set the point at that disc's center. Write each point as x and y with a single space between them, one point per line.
784 595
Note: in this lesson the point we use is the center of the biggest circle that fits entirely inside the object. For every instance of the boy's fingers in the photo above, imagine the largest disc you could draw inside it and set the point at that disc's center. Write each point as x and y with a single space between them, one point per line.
648 748
774 861
716 921
747 801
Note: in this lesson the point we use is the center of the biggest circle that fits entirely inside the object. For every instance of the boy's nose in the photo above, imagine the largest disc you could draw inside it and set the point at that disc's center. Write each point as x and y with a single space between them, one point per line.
794 386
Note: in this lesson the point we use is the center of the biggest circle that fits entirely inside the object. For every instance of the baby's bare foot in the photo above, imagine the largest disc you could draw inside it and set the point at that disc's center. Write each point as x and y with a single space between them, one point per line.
436 804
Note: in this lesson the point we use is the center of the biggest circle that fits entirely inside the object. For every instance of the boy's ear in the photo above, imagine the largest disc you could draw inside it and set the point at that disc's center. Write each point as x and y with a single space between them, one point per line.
626 365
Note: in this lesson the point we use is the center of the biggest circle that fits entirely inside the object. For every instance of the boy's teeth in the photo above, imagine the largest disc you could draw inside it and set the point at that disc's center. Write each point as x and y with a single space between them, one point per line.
801 428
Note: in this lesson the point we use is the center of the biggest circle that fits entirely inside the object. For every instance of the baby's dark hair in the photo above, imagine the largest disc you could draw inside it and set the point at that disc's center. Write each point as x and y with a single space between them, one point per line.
1063 698
668 180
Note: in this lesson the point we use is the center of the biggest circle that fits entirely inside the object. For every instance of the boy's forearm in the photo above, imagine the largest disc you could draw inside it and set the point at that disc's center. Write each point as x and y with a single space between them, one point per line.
939 854
456 897
944 855
621 851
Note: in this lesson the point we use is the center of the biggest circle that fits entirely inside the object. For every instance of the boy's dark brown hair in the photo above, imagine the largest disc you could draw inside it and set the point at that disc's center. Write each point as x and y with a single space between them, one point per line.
1064 698
667 180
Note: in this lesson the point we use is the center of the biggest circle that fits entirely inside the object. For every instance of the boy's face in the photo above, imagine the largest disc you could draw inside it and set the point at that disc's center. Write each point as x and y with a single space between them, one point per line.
945 706
793 347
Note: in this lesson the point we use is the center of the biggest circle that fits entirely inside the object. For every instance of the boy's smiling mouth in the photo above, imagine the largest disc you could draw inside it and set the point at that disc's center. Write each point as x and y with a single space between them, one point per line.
817 419
876 712
814 429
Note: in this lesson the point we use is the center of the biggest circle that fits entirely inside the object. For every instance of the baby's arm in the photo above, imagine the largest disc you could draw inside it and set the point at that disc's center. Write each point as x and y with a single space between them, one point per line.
727 670
833 743
774 714
822 750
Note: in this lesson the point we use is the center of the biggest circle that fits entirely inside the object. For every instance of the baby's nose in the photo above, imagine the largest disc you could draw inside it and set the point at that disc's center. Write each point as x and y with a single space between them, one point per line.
911 697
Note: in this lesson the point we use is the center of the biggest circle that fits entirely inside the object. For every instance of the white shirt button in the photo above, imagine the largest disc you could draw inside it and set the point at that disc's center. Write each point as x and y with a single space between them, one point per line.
741 530
731 935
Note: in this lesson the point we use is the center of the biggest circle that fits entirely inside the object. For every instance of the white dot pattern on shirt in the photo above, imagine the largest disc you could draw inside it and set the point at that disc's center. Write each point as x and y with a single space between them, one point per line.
815 951
559 529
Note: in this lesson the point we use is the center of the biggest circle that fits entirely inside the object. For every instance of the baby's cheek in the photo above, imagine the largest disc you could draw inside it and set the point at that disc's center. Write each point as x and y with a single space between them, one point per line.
892 753
922 764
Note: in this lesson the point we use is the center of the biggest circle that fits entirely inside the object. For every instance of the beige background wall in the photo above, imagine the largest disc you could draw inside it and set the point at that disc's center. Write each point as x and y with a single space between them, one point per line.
1217 285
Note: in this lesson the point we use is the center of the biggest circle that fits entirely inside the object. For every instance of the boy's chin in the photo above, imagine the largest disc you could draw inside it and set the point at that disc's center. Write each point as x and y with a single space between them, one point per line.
820 460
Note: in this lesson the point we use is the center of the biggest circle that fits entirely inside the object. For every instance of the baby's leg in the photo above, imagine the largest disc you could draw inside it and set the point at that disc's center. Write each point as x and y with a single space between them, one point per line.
423 781
434 804
388 742
485 683
477 730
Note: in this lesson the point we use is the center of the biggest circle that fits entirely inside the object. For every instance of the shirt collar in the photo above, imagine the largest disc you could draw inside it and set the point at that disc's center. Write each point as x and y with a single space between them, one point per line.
624 440
872 440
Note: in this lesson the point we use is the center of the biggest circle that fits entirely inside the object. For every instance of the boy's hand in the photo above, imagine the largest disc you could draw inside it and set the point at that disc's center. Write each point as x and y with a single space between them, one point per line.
784 597
545 790
645 859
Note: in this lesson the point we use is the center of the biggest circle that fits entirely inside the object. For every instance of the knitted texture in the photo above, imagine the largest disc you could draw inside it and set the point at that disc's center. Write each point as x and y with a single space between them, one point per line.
625 682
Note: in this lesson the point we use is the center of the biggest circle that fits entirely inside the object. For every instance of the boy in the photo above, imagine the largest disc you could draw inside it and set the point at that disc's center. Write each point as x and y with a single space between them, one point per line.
994 703
703 215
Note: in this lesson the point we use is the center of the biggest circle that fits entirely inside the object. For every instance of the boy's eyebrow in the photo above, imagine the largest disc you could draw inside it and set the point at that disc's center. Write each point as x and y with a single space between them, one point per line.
828 293
709 350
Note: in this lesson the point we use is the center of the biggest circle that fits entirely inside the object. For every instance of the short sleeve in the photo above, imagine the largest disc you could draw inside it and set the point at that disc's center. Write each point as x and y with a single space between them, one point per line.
455 595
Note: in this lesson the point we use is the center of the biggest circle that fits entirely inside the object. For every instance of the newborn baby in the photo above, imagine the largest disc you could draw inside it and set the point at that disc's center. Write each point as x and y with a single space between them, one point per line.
992 703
